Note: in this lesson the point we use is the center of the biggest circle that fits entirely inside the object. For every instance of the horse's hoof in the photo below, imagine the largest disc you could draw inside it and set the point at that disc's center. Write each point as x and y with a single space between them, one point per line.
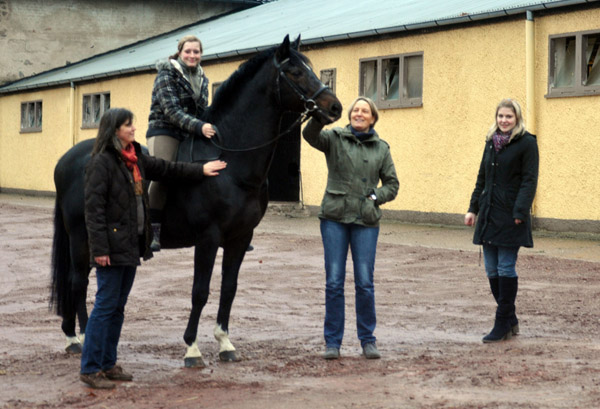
194 362
74 349
229 356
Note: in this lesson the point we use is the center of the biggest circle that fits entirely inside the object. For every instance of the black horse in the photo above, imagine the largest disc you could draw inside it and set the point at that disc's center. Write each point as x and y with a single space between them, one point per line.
218 212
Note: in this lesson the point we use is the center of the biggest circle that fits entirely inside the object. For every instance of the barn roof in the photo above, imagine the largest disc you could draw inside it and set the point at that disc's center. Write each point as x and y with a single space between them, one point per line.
254 29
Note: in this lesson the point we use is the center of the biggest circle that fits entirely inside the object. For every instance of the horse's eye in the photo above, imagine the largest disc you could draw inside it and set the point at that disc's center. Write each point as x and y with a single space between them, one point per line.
295 72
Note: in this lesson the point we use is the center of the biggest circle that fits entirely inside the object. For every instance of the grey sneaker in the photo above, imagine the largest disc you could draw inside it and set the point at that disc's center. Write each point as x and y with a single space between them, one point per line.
96 380
370 351
331 353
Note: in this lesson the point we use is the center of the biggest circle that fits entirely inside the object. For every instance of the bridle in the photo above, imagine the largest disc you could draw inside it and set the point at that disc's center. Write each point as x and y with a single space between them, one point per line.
310 106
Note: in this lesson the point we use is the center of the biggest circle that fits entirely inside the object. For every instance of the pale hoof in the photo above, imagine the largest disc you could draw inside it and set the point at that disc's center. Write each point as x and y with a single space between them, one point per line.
194 362
74 349
229 356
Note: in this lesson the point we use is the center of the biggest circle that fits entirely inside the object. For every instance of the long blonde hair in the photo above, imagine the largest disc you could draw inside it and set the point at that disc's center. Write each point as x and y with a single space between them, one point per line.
519 126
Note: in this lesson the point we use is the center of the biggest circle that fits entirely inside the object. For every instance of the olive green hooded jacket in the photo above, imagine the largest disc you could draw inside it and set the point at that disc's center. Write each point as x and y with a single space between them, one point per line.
355 169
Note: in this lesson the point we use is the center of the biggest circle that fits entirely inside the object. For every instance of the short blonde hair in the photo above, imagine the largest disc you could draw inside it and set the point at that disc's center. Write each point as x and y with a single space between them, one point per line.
520 124
372 105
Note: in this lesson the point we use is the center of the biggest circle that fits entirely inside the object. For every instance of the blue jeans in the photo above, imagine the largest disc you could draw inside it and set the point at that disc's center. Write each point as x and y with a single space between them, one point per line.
103 329
500 261
337 237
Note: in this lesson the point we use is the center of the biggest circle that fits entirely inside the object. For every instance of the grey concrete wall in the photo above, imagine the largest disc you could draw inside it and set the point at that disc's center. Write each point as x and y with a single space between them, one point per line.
38 35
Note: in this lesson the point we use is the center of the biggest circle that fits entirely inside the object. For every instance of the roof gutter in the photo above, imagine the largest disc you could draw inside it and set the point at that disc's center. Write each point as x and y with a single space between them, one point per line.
72 81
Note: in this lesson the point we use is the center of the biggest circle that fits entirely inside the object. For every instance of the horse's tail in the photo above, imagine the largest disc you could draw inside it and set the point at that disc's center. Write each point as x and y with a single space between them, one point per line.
61 294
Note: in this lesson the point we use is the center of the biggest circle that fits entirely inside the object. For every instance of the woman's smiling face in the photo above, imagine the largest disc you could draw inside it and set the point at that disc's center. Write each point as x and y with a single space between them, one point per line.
506 119
361 117
190 54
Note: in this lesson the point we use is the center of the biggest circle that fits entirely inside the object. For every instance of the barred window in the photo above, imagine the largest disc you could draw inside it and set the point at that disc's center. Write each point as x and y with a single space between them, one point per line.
94 106
574 64
31 116
393 81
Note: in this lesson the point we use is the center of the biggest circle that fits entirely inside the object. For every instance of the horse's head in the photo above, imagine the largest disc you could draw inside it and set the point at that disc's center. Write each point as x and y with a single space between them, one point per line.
299 89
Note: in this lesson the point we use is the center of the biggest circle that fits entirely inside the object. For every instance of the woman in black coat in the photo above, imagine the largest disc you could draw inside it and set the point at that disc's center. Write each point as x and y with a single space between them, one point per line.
501 204
118 225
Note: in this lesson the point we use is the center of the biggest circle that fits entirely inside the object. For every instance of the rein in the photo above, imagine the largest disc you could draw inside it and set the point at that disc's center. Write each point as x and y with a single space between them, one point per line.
310 106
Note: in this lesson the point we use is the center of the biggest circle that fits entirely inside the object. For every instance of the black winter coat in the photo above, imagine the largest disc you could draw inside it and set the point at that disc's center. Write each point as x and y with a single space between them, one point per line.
504 191
111 206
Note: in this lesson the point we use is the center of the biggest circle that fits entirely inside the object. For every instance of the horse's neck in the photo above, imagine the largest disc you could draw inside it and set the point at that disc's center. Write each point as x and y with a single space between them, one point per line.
251 121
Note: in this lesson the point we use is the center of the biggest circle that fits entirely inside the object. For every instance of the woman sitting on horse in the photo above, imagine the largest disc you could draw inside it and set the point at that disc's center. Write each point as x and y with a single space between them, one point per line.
179 97
119 233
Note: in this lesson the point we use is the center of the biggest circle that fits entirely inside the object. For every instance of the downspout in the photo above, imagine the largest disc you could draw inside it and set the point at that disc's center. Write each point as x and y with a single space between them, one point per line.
530 71
72 113
530 84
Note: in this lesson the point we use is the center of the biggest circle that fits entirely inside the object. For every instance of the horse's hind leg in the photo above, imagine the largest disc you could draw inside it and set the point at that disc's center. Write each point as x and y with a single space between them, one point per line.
204 259
79 272
232 261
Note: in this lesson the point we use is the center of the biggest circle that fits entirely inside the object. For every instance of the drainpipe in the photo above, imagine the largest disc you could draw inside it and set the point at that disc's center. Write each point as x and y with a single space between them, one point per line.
72 113
530 85
530 71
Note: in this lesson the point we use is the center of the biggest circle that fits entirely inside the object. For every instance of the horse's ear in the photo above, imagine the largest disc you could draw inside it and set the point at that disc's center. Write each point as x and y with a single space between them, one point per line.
283 51
296 44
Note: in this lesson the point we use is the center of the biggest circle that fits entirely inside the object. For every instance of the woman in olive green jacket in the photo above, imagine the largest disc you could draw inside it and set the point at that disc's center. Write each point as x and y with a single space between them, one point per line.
357 159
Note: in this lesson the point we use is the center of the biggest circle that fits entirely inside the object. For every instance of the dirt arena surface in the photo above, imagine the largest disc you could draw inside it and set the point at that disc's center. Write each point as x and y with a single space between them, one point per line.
433 307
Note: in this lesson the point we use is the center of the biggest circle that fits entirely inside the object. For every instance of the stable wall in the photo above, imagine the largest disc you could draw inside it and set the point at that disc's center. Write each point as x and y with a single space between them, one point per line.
568 136
436 147
27 160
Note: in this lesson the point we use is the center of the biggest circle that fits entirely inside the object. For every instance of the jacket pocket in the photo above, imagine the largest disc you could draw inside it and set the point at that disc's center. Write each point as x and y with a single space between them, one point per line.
118 238
333 204
370 212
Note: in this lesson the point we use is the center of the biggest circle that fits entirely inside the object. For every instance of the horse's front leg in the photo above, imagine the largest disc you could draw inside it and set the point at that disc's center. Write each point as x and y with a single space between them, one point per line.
233 255
204 259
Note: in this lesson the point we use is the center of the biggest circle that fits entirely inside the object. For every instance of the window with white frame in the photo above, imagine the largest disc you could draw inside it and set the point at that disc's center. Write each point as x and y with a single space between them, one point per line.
574 64
393 81
31 116
94 106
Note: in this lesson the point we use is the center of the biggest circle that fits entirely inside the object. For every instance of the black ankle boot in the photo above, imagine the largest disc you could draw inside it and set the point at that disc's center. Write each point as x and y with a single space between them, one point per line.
494 286
507 293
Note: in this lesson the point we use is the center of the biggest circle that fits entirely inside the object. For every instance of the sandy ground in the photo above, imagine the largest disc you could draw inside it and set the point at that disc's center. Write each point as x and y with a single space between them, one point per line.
433 307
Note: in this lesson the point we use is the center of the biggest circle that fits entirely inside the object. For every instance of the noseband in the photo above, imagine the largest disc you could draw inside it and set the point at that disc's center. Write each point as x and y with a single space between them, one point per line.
310 106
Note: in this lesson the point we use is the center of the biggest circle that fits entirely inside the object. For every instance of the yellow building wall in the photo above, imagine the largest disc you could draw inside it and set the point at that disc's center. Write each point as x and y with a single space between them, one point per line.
27 160
568 133
437 147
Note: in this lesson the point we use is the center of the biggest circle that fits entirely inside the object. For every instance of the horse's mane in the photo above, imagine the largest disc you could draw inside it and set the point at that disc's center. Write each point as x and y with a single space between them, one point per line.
229 90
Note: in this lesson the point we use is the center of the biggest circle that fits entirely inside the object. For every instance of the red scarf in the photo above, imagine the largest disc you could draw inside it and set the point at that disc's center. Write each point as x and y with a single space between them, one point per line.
130 159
